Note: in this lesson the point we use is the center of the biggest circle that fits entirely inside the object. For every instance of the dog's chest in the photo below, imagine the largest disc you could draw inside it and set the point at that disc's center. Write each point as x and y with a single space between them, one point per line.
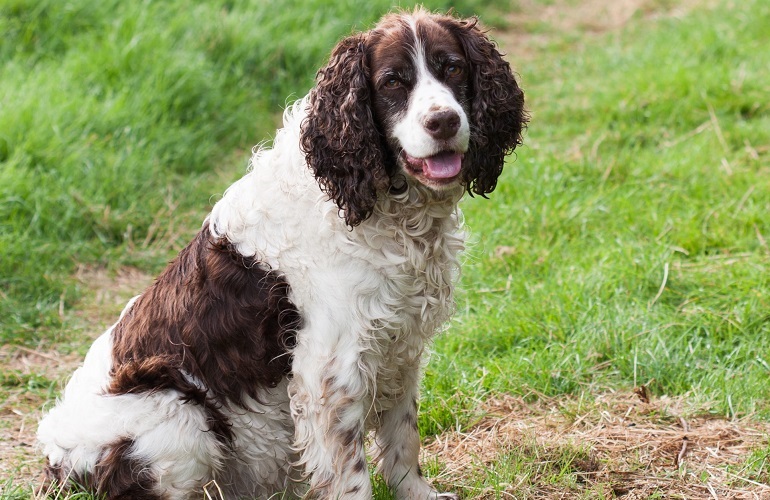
416 269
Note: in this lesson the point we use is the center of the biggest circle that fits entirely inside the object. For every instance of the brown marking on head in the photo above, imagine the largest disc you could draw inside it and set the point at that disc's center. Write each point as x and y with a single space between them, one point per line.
497 114
365 88
340 139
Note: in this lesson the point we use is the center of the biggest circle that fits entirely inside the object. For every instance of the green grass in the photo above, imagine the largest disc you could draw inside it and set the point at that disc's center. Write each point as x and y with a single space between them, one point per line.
113 111
648 150
757 466
647 155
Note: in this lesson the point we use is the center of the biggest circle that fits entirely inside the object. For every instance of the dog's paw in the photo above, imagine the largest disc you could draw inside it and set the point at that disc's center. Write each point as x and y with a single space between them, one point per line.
423 491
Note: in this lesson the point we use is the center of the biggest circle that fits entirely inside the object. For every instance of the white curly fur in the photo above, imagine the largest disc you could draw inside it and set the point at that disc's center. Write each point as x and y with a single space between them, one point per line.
370 300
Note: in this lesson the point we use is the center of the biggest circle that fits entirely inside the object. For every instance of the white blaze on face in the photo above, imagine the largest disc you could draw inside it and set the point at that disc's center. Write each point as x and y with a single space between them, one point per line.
436 158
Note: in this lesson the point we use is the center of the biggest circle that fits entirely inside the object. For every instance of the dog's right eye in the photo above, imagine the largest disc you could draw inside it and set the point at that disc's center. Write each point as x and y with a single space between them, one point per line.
392 83
453 70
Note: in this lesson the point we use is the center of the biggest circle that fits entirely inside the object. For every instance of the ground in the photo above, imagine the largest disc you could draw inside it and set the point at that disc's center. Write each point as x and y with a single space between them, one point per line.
618 445
604 446
23 406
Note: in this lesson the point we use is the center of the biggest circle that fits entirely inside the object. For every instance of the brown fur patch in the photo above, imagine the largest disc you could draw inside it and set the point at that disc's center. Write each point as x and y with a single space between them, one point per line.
120 477
161 373
212 314
354 105
117 476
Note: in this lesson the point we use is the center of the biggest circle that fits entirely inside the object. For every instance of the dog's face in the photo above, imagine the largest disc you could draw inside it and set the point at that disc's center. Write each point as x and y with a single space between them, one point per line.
420 80
421 95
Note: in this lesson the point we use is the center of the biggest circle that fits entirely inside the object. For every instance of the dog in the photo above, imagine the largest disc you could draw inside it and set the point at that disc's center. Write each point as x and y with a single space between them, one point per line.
296 321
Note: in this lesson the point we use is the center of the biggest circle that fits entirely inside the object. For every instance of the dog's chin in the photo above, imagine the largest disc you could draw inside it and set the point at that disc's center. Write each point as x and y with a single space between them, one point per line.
439 171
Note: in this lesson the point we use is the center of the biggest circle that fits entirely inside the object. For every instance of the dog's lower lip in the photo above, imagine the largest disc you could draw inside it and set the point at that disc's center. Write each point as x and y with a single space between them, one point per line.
440 168
415 164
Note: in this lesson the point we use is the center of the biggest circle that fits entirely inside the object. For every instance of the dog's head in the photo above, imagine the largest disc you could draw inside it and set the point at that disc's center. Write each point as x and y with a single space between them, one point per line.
423 97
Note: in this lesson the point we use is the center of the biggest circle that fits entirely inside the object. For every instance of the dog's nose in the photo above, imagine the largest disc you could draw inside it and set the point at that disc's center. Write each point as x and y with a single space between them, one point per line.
442 124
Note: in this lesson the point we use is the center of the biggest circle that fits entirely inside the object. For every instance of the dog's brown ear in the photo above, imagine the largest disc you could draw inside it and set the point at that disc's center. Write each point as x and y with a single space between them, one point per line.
497 113
339 137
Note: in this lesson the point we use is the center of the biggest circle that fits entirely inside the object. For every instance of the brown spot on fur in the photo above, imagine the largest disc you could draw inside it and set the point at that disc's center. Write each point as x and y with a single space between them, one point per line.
53 476
215 315
321 488
359 466
328 386
350 436
116 476
410 419
120 477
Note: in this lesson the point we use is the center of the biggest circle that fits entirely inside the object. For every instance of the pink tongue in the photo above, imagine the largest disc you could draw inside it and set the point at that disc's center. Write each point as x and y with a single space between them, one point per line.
442 165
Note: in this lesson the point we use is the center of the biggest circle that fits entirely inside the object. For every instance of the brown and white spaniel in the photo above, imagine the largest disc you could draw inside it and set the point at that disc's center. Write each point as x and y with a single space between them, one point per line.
297 319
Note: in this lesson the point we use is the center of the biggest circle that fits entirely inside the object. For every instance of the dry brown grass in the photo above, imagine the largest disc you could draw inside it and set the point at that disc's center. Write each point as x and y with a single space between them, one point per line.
633 448
20 408
22 405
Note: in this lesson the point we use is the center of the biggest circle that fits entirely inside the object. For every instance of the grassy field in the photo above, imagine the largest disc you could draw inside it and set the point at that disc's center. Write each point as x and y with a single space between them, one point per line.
624 249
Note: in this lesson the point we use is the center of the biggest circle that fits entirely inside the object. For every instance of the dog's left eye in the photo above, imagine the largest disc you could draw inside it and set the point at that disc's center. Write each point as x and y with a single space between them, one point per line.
453 70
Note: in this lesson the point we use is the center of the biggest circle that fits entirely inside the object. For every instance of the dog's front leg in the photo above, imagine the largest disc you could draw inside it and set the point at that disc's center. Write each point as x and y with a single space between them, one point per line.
327 402
397 444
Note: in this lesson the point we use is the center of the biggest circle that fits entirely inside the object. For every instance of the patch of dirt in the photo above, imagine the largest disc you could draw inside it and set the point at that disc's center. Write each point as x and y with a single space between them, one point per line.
22 371
110 292
532 25
636 448
26 372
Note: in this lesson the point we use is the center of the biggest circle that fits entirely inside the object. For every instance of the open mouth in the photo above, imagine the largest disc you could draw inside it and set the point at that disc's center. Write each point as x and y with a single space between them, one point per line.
442 168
